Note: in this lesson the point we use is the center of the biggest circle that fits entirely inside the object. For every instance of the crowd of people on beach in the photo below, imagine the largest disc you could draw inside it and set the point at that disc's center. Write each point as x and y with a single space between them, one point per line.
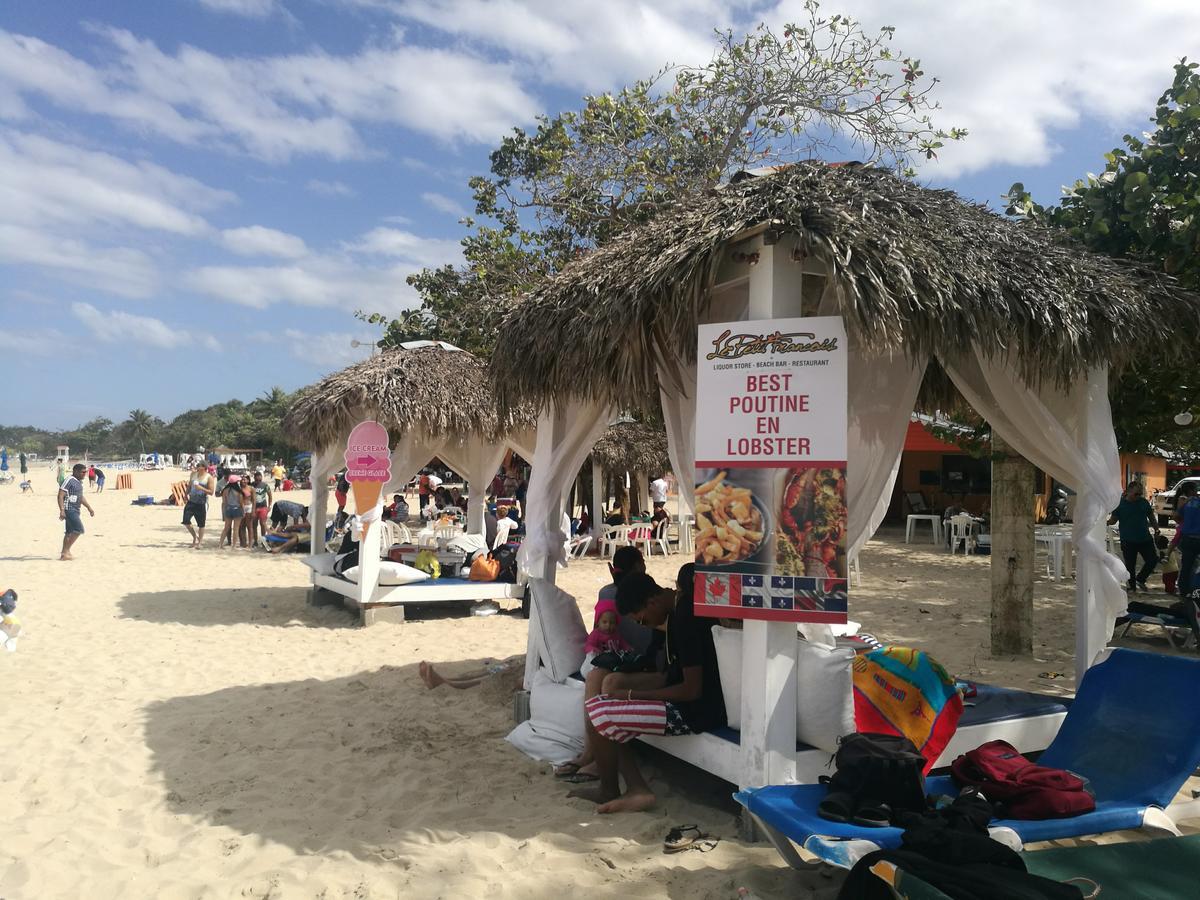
247 503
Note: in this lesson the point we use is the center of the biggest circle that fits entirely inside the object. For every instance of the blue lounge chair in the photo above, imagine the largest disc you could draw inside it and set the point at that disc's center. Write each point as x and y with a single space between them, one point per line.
1130 731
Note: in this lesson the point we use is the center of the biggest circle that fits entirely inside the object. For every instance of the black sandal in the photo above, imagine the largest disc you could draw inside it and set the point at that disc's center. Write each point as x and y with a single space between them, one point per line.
685 837
838 806
873 815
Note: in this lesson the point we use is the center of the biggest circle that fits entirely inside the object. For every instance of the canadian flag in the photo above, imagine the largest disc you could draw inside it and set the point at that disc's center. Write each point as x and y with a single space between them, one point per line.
721 590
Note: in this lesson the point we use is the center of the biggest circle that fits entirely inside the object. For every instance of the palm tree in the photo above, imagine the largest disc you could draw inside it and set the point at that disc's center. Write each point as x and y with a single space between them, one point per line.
142 424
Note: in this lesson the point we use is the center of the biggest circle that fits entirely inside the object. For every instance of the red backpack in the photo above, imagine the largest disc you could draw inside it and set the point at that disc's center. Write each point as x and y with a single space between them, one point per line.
1020 788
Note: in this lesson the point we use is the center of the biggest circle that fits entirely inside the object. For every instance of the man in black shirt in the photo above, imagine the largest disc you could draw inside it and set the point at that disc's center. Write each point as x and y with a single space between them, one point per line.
686 698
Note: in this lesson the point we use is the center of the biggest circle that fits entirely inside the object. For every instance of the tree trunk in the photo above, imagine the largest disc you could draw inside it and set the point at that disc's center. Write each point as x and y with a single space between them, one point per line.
1012 551
622 500
635 495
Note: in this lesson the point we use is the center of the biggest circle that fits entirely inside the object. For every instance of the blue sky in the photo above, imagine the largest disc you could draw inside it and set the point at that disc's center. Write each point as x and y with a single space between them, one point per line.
195 195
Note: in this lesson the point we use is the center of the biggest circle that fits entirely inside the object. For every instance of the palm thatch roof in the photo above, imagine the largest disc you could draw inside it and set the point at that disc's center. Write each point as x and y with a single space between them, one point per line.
633 447
433 390
921 269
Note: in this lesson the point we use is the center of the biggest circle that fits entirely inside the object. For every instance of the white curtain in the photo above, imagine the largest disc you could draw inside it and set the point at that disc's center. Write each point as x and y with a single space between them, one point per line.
565 437
677 393
411 453
883 390
1068 435
478 460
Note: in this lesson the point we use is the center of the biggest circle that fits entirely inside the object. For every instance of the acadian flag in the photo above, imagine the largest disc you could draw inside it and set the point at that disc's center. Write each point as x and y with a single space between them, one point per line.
753 594
782 592
721 590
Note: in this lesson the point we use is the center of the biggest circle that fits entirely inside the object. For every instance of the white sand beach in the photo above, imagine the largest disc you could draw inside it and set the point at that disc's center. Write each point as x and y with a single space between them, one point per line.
180 724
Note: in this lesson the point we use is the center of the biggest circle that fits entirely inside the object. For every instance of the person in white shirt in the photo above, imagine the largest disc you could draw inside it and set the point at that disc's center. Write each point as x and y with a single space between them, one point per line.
658 490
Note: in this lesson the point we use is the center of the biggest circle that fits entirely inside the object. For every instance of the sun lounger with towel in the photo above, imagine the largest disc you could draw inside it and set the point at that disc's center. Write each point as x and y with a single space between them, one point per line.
1124 732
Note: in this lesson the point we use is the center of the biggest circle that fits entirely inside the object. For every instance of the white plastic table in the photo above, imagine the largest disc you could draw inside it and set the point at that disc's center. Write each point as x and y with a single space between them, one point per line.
934 521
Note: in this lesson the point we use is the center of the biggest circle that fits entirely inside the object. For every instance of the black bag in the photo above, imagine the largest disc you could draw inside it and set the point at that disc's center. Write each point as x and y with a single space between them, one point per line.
878 769
622 661
507 557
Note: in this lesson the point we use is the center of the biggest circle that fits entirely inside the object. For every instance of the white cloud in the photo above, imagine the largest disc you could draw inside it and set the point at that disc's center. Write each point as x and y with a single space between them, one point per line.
406 245
329 188
444 204
332 350
133 330
48 182
118 270
34 342
369 273
1015 73
251 9
272 107
256 240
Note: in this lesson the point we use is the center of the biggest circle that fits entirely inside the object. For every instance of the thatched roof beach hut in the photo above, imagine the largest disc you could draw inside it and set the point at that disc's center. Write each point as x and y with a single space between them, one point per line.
432 389
434 400
633 447
920 269
1025 323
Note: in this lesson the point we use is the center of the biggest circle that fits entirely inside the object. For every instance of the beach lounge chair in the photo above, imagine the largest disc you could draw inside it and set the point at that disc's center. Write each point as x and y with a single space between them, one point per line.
1162 869
1169 622
1124 732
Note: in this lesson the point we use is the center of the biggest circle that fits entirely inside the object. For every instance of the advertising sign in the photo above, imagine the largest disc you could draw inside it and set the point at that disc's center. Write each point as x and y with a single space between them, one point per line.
771 429
368 463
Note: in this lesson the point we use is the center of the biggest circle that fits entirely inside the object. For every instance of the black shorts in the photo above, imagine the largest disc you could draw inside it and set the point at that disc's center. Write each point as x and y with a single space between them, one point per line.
197 511
74 522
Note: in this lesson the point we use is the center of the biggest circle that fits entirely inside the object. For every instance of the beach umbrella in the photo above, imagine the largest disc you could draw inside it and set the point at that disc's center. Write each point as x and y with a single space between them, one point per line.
3 459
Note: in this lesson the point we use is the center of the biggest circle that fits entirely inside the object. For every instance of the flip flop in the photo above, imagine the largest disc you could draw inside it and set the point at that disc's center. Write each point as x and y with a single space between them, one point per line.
684 837
566 770
873 815
838 806
578 778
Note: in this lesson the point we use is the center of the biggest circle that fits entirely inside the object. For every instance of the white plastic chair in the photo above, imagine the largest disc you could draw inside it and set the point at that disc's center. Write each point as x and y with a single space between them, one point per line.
612 537
580 545
962 528
854 570
642 535
659 538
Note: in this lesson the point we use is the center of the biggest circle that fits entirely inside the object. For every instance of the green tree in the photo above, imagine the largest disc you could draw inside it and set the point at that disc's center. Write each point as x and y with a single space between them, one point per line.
141 423
824 85
1145 206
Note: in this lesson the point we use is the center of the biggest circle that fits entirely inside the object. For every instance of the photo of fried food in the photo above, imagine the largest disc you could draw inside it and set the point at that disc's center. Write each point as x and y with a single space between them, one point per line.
811 537
729 525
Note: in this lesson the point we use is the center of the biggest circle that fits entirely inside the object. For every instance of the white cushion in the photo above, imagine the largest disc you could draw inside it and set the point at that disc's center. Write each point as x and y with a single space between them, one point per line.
824 688
824 694
554 731
390 574
555 619
321 563
728 643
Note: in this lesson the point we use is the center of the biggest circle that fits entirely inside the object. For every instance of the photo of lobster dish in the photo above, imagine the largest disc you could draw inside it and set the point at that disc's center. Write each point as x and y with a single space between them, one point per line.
811 535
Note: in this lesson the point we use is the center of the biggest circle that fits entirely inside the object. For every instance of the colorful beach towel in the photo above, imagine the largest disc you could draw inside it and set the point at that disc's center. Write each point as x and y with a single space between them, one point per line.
906 692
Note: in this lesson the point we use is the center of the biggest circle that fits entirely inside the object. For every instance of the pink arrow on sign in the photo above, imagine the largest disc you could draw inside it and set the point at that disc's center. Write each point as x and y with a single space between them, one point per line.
367 462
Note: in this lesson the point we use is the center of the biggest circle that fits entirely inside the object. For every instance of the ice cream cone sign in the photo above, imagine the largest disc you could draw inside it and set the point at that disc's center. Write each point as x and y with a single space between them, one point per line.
368 464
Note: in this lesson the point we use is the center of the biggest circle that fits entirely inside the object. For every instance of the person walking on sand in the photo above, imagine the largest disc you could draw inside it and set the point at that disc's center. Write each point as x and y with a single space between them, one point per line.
99 481
201 486
1135 518
70 499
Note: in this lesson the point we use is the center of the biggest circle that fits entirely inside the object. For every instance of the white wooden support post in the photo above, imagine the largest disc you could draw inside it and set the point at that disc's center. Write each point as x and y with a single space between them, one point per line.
597 498
768 737
368 561
1090 637
318 506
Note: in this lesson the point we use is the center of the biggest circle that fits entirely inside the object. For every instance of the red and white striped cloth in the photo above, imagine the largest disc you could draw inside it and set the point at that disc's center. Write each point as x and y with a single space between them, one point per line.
623 720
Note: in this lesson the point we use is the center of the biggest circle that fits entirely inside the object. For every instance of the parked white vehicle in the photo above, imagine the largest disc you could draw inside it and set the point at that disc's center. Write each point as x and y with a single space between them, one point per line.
1164 501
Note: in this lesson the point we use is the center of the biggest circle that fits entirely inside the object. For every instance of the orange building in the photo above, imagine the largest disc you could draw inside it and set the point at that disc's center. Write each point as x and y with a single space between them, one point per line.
946 475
